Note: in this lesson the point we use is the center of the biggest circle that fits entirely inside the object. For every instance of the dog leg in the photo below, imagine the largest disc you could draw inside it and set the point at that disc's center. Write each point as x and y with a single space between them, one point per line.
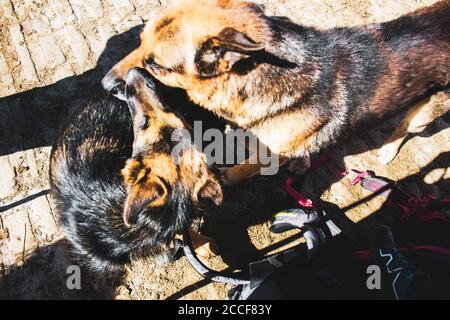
241 172
439 105
244 171
417 119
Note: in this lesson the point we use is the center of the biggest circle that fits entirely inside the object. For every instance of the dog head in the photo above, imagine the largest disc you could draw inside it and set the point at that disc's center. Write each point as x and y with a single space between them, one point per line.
192 42
160 185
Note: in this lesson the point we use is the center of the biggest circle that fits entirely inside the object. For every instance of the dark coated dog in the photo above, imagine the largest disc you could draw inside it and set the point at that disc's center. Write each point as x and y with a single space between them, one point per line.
296 88
119 192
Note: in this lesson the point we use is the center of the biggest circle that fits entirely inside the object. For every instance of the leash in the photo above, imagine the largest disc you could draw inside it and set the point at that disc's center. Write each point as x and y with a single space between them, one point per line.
288 186
424 209
240 278
201 268
296 220
421 209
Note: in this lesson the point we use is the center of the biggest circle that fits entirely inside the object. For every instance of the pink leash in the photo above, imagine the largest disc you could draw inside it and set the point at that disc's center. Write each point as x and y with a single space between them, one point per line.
307 203
302 201
361 175
409 210
425 215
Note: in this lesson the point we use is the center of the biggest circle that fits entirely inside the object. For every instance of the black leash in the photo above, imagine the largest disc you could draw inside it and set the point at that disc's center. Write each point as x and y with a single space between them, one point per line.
238 278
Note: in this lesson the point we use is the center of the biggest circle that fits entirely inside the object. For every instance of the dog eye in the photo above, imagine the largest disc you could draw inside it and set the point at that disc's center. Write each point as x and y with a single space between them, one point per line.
152 64
150 61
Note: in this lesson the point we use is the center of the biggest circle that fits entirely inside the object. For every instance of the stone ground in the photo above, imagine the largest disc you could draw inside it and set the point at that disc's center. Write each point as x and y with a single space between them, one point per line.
53 54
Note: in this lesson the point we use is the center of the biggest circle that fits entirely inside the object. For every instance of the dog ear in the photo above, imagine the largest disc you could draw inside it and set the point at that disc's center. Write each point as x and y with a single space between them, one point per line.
219 54
209 190
145 193
234 40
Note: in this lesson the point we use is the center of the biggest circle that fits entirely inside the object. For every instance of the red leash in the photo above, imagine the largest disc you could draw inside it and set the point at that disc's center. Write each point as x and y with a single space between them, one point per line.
302 201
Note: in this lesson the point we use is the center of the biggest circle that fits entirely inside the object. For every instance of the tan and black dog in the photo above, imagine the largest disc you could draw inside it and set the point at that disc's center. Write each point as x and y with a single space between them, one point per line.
296 88
119 191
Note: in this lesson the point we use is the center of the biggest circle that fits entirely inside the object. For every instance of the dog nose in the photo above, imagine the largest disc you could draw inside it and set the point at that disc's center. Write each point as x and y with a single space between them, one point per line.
113 84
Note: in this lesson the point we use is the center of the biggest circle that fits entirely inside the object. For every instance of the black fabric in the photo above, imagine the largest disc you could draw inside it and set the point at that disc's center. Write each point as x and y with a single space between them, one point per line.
328 276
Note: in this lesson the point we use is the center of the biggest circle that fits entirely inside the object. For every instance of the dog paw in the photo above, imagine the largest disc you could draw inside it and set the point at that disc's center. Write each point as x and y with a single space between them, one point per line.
299 166
387 153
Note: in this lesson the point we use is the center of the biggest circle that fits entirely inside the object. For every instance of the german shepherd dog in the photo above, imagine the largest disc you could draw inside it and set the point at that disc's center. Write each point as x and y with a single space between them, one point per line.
119 192
297 89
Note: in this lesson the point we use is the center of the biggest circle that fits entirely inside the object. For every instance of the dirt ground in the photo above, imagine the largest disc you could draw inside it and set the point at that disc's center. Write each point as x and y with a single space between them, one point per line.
53 54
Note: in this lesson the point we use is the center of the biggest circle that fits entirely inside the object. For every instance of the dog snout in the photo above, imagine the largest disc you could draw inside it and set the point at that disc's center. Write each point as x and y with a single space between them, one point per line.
140 75
135 76
138 78
134 82
113 84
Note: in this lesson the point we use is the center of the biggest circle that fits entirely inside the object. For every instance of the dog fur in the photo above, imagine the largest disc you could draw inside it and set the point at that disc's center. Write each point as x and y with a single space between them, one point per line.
296 88
119 193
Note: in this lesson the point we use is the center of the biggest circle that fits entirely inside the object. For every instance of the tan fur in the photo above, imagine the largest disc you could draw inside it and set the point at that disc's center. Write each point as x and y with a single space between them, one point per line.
174 38
160 41
182 26
153 172
245 170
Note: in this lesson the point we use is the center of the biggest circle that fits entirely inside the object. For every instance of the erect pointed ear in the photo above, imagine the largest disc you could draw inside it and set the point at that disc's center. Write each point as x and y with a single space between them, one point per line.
144 194
219 54
234 40
209 189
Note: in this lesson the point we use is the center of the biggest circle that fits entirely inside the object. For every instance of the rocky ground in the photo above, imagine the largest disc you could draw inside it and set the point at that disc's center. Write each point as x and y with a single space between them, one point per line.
53 54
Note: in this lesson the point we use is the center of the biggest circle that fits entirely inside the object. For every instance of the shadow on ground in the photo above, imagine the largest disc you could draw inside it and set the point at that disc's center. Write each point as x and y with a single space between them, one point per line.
337 255
32 119
36 278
